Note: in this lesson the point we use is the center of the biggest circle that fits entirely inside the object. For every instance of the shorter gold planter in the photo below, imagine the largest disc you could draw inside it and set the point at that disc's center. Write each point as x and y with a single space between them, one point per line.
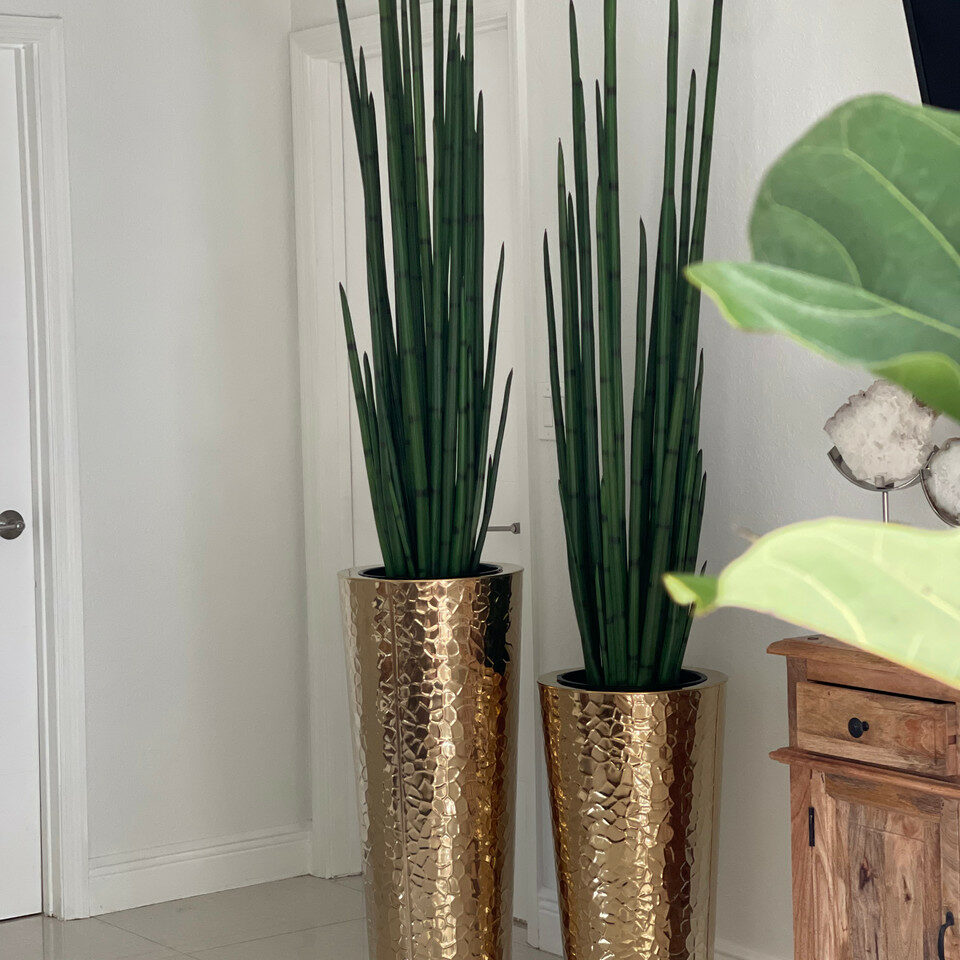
634 790
434 668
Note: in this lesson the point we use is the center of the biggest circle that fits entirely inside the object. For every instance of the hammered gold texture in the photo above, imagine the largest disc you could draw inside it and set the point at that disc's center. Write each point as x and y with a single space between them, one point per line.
634 792
434 672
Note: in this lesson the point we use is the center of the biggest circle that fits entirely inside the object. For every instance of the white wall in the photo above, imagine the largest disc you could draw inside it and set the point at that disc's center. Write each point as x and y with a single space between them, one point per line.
181 201
765 401
316 13
784 64
765 405
181 192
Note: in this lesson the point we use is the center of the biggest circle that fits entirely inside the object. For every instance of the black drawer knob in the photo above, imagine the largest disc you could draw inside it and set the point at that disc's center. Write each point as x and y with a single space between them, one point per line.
857 727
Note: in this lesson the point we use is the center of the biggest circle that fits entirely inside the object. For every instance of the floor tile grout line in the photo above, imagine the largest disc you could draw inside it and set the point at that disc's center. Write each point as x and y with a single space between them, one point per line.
131 933
237 943
272 936
103 919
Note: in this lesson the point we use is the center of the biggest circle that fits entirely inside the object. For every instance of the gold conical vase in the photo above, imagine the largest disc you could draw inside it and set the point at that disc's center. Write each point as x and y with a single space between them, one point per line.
434 669
634 791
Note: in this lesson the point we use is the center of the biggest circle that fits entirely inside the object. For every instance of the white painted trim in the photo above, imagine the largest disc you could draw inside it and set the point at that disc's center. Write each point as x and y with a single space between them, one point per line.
327 491
158 874
548 917
316 60
39 42
551 937
323 43
524 400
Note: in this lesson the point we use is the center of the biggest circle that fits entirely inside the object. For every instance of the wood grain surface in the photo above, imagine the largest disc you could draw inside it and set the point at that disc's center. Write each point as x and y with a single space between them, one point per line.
904 732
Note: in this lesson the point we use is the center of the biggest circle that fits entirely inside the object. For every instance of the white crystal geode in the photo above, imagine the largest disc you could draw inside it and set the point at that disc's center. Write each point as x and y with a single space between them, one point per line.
882 433
943 483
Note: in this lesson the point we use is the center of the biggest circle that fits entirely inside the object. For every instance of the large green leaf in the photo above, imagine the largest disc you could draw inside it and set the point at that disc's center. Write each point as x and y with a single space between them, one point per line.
845 323
857 232
889 589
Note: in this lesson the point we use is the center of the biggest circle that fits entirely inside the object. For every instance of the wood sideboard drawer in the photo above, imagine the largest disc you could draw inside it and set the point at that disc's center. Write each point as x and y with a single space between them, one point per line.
901 732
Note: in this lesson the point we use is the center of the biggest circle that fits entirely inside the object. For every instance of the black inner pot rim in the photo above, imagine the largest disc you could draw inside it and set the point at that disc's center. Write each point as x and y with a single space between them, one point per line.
379 573
577 680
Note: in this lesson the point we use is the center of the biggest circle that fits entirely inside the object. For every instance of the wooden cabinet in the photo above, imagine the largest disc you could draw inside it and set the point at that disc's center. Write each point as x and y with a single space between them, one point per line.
875 807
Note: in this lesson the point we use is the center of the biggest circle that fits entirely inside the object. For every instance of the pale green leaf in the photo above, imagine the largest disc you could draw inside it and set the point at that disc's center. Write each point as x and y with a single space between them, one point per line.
889 589
845 323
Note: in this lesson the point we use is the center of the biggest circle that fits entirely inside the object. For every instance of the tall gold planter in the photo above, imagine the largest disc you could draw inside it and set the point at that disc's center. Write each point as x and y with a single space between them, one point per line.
634 790
434 669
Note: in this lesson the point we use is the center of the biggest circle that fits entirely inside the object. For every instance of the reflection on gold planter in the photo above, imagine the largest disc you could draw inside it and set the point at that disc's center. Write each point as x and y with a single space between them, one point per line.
634 791
434 669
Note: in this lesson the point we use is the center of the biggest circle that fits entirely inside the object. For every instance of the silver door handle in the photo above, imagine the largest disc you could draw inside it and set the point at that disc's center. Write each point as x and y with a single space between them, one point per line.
509 528
11 525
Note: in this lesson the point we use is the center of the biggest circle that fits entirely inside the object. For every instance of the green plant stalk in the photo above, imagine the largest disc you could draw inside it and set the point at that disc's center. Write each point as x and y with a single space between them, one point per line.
587 522
424 396
629 515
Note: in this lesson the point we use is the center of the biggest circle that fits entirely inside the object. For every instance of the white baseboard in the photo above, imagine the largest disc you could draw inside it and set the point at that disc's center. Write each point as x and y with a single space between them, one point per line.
126 880
551 938
725 950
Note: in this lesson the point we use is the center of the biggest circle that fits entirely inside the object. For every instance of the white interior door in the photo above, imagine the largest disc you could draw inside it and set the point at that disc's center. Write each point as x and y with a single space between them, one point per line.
19 710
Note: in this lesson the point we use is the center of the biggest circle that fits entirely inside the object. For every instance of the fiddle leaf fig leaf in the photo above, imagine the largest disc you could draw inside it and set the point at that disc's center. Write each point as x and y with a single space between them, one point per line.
889 589
856 234
842 322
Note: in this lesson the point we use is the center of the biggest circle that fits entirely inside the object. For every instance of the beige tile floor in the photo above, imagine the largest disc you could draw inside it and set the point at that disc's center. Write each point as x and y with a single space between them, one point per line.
299 919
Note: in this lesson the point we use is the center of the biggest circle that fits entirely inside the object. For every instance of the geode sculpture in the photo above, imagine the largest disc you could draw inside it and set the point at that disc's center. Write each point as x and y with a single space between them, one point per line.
883 434
942 481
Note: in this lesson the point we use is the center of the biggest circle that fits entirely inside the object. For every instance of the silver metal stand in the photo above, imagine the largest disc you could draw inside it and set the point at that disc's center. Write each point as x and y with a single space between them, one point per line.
947 517
837 460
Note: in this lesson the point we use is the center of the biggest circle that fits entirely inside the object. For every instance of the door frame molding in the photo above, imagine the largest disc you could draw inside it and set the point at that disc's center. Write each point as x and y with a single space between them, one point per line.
318 128
38 43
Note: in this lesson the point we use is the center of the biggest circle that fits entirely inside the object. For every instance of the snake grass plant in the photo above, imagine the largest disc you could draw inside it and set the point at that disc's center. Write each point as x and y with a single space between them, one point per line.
619 548
424 403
